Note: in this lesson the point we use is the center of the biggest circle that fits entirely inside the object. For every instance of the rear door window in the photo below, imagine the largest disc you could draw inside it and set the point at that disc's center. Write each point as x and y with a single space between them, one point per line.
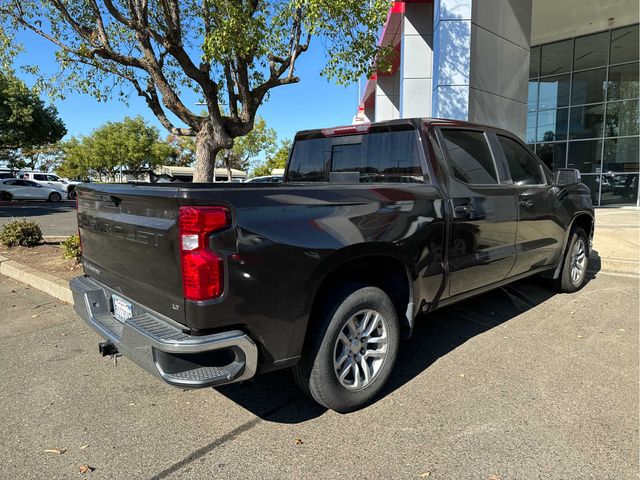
524 168
308 161
470 157
42 178
377 157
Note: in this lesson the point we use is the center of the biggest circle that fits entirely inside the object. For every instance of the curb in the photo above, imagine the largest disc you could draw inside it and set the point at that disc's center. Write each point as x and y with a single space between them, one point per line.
54 238
44 282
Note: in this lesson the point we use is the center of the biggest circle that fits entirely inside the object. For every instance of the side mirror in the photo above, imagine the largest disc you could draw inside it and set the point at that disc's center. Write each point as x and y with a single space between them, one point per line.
567 176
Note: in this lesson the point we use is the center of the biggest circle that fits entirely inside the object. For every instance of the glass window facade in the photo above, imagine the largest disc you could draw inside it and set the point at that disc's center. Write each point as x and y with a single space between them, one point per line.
584 110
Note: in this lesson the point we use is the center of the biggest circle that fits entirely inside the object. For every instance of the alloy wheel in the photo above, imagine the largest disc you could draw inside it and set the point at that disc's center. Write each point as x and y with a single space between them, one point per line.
578 261
360 349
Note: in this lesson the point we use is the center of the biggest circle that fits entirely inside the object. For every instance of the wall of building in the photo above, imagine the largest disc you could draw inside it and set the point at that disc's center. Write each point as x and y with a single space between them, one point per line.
500 36
481 61
387 106
574 96
556 20
416 61
584 110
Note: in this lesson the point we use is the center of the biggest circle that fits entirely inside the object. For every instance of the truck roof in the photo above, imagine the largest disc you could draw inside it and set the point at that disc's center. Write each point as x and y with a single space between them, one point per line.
391 125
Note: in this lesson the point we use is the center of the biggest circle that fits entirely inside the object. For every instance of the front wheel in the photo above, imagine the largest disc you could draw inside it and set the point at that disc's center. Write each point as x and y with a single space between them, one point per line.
353 349
575 263
55 197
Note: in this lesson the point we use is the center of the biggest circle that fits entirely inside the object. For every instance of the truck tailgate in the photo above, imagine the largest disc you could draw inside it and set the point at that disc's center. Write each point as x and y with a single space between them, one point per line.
129 242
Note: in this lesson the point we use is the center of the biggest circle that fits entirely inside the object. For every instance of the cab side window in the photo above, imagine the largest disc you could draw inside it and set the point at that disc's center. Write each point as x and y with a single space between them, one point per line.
470 157
40 177
525 169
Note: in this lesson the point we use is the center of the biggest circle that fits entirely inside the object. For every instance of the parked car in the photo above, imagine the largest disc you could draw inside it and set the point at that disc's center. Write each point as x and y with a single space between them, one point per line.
266 179
17 189
208 284
53 181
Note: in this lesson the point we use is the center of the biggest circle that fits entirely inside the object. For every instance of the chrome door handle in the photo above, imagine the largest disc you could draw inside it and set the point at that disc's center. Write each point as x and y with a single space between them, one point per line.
464 209
526 203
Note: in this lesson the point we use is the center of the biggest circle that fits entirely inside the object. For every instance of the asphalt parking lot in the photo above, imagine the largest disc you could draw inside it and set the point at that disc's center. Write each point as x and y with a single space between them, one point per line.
518 383
55 219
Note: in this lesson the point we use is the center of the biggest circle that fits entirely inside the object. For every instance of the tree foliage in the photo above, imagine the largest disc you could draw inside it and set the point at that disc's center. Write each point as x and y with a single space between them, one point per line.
184 151
26 123
231 52
277 160
131 145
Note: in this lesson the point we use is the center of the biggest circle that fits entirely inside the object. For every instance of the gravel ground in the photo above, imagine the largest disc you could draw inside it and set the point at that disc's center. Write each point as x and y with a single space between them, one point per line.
514 384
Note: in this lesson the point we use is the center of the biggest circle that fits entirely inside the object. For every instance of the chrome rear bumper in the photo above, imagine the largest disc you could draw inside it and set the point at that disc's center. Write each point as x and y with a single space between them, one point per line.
163 349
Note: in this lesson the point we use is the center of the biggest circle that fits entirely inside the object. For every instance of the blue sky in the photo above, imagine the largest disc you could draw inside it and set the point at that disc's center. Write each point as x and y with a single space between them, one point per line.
313 103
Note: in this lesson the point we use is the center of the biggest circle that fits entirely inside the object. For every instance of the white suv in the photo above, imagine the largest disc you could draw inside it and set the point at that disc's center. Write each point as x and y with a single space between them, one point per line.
53 181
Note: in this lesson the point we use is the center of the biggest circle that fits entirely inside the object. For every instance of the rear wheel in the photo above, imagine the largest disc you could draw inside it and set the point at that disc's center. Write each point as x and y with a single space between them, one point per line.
575 263
73 194
55 197
5 196
351 354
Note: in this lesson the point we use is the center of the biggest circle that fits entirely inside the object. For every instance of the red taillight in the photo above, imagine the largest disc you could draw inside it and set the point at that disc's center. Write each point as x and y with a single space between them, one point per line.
202 269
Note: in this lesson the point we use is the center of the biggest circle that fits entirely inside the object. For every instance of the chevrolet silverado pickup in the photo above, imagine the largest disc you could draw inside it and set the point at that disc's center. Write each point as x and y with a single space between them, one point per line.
374 225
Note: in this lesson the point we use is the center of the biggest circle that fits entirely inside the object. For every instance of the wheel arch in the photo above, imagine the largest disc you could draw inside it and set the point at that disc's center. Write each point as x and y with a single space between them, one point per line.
583 220
382 266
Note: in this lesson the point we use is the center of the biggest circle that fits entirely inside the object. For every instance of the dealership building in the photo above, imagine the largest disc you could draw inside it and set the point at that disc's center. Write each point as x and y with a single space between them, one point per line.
563 75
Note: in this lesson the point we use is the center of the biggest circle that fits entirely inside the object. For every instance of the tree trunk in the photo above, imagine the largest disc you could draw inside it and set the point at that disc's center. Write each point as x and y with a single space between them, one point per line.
228 164
209 141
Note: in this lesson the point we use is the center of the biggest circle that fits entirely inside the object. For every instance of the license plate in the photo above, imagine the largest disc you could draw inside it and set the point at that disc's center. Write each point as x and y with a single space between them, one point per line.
121 309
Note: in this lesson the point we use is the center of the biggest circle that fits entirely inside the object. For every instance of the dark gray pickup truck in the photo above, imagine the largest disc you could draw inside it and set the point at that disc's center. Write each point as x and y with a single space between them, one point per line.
206 284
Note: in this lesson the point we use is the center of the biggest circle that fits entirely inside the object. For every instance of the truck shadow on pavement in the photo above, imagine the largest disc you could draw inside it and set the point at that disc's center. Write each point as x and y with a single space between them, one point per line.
25 208
274 397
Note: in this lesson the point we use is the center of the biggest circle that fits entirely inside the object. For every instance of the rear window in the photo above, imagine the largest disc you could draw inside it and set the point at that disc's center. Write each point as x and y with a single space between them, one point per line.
470 157
382 157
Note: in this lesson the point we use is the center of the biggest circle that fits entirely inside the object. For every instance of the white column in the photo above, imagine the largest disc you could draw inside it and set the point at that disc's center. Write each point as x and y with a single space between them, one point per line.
416 60
499 74
481 61
387 97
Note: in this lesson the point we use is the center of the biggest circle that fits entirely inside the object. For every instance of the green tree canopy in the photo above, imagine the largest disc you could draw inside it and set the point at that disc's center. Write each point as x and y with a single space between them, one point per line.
184 151
130 144
26 123
277 160
227 52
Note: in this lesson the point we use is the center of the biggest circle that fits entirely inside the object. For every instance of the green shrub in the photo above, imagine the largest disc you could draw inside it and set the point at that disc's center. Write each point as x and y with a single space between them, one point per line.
71 248
21 232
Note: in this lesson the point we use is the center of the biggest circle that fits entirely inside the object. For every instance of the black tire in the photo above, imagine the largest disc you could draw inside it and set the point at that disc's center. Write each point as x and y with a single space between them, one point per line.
5 196
568 282
72 194
55 197
315 374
